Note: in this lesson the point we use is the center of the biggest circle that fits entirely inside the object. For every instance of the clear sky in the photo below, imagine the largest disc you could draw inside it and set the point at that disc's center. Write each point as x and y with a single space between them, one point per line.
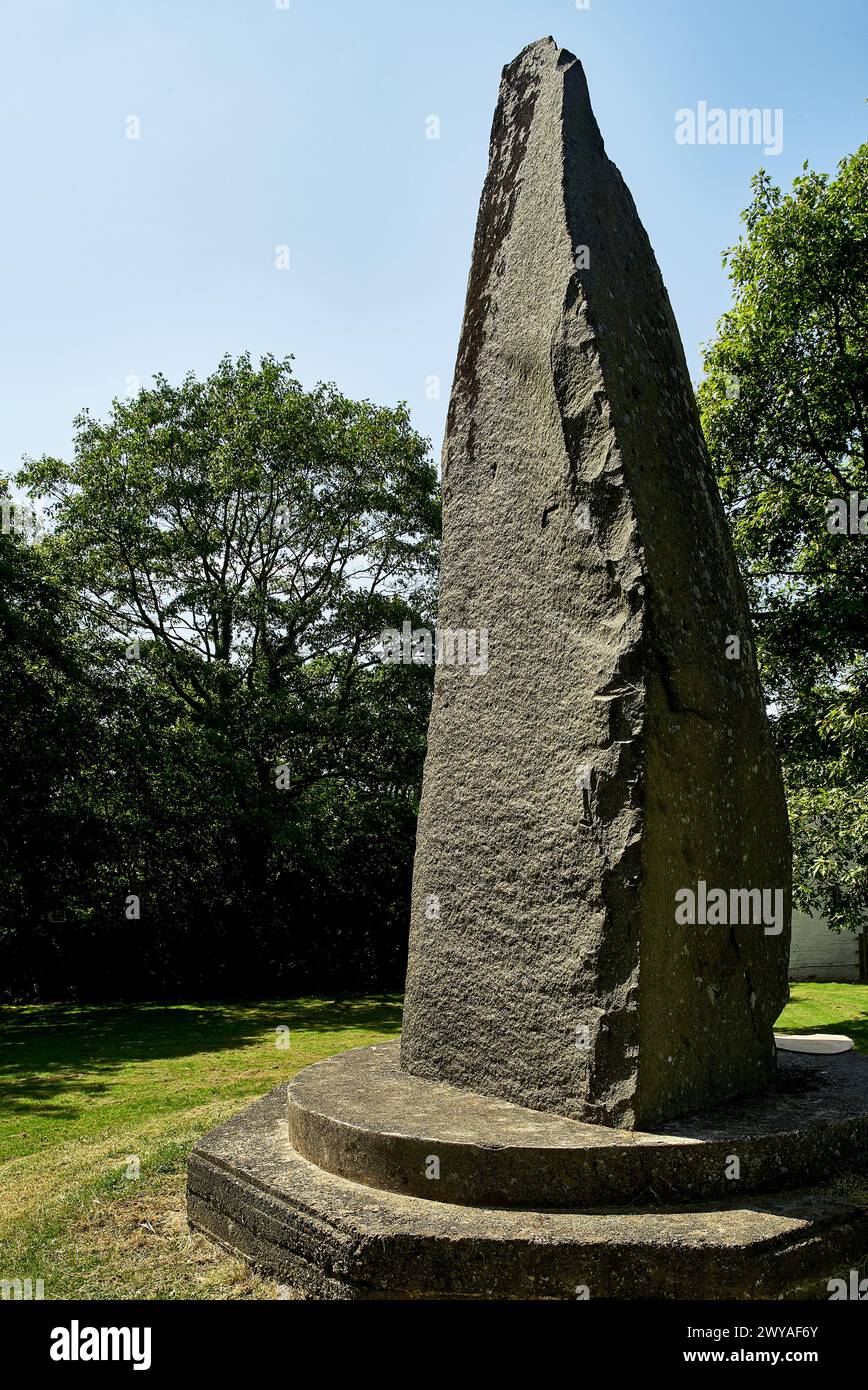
263 126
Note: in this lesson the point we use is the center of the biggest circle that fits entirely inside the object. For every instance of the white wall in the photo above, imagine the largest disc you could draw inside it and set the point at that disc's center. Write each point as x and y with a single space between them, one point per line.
817 953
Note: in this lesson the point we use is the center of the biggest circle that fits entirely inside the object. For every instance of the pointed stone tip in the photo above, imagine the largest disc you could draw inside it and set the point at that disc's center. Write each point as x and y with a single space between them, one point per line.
547 47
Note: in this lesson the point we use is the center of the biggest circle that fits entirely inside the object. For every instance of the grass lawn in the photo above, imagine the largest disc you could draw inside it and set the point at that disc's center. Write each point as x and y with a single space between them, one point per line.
99 1106
828 1009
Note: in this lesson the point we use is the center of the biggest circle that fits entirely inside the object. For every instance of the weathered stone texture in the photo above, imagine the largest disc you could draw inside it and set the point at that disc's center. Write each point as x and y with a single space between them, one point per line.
327 1238
360 1116
583 529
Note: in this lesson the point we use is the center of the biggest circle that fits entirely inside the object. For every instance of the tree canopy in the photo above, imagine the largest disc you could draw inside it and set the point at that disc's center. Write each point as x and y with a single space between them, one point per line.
226 554
784 405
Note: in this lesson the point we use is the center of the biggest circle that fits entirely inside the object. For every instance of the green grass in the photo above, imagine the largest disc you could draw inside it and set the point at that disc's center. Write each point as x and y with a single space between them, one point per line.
83 1090
815 1008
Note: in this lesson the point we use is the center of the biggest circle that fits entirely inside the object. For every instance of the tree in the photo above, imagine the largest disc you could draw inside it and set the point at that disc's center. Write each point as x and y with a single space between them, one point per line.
235 547
51 831
784 405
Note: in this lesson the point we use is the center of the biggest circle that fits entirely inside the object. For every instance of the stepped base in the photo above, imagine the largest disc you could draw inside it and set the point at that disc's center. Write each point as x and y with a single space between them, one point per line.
359 1116
332 1238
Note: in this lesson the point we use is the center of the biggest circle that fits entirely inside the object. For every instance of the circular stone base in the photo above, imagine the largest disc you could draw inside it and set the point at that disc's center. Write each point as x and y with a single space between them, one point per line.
360 1117
327 1238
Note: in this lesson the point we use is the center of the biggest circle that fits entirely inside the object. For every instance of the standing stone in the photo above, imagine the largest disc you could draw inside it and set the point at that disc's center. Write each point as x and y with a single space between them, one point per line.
612 748
605 752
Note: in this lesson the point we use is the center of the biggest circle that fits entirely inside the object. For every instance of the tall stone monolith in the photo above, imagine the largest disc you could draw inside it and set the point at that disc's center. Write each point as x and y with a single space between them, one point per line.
606 772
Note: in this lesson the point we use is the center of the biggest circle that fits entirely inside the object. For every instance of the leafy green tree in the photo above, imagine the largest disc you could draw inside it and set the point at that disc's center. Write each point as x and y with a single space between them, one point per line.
234 548
51 737
784 405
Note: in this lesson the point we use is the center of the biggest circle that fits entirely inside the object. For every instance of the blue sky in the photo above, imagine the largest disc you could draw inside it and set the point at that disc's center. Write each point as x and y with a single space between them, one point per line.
305 127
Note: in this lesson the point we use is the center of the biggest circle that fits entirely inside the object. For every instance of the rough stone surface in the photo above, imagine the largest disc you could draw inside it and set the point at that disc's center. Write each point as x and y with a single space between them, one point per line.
334 1239
358 1115
584 531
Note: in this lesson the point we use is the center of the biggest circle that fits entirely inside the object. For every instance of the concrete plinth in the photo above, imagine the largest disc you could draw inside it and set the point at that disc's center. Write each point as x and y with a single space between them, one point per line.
360 1116
332 1236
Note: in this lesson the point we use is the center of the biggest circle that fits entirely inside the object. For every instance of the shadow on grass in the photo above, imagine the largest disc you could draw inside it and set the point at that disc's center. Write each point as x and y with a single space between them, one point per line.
49 1048
855 1028
827 1007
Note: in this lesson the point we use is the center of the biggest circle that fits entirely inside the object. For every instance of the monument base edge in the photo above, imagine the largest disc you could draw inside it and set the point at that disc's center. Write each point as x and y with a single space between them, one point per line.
329 1238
